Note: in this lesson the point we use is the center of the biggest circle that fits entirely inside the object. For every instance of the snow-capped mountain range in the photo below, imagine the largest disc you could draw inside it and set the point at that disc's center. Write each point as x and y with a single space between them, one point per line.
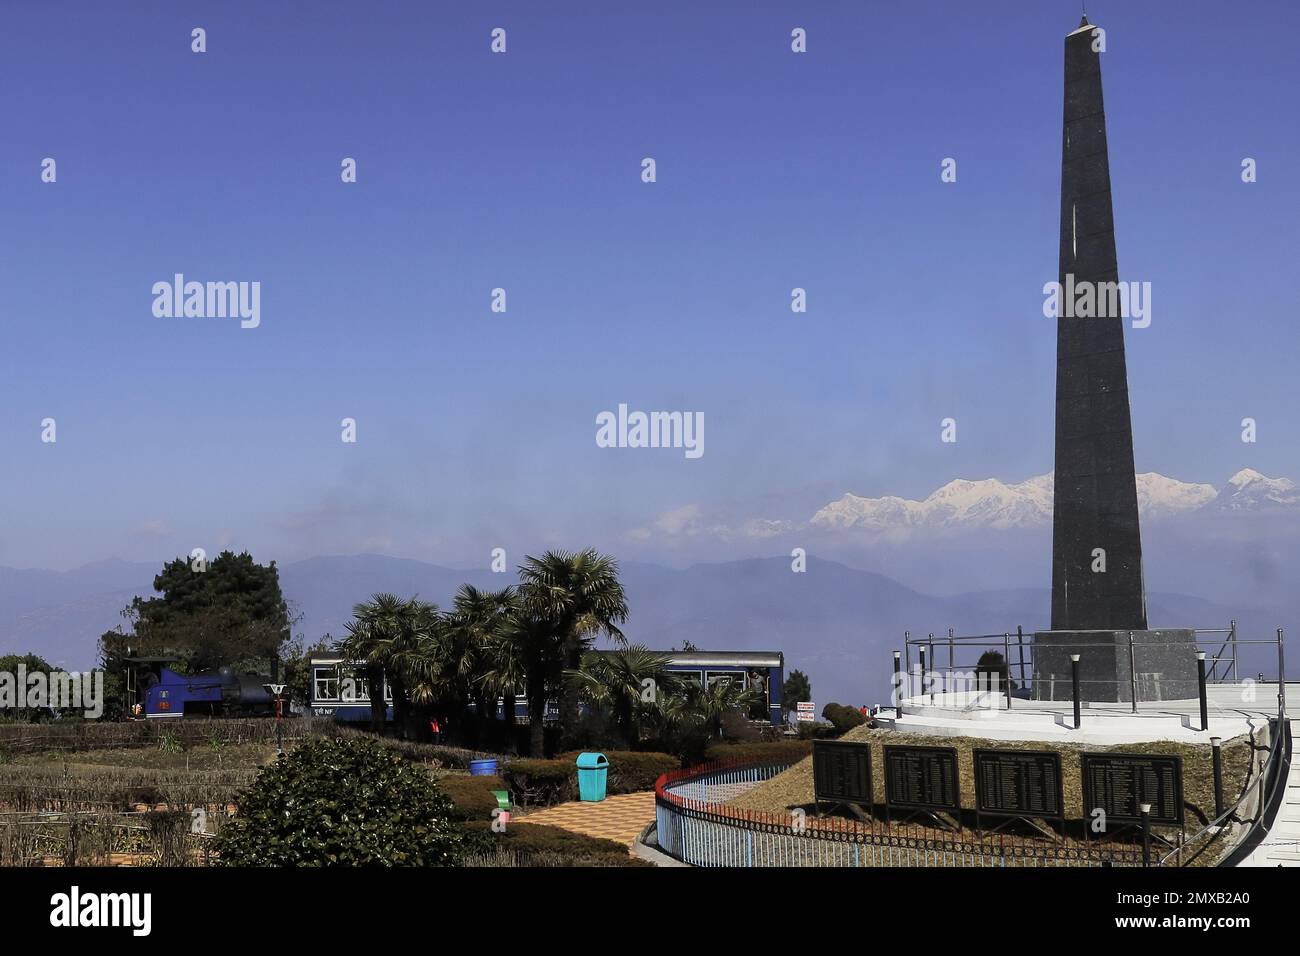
990 503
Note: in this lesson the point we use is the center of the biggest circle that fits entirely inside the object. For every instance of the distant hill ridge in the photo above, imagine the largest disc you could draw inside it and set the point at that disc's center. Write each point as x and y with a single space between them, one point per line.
836 623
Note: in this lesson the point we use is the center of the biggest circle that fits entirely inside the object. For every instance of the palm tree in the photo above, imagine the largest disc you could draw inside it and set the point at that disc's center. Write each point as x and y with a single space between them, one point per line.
423 662
393 640
470 627
571 598
525 652
713 702
361 646
630 681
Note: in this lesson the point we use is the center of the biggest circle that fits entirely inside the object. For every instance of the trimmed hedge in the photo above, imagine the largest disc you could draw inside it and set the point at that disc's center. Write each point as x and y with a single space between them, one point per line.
630 771
538 843
844 717
81 735
471 797
457 758
556 780
541 781
777 751
817 730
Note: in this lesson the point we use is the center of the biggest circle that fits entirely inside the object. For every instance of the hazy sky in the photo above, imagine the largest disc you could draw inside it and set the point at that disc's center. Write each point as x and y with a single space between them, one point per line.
523 171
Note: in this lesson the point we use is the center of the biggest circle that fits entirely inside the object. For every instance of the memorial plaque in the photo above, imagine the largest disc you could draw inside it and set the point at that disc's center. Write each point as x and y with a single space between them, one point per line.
842 772
1120 783
1020 783
923 778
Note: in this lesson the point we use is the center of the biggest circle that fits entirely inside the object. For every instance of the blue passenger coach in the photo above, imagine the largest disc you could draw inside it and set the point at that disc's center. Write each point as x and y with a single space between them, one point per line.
339 689
763 671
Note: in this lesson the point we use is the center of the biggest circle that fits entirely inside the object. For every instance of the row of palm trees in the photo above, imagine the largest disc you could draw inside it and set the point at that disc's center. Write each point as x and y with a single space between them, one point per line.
645 699
534 638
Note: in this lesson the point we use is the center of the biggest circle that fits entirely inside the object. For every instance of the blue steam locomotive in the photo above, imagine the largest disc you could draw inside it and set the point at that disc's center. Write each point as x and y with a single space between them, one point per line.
213 693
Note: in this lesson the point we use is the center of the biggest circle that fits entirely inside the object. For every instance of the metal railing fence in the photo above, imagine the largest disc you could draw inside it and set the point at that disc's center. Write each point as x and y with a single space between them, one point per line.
695 827
920 664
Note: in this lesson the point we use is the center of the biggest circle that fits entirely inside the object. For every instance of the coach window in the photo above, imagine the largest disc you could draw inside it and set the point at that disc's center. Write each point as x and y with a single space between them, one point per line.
729 677
327 683
360 687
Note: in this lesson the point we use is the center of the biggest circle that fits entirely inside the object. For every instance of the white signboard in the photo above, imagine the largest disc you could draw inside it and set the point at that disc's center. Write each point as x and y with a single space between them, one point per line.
806 711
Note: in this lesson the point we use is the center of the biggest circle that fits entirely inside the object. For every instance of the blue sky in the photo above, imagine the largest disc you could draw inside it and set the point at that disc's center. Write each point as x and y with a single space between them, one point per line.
522 171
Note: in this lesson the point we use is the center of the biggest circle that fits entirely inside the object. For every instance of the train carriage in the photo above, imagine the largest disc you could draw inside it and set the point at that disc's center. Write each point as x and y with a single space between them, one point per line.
339 689
762 671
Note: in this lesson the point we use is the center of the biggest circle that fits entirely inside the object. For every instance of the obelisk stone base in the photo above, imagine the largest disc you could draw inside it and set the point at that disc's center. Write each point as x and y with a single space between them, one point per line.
1164 662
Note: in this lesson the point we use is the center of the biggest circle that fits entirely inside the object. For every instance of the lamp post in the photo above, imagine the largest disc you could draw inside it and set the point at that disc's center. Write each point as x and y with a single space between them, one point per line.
278 690
931 659
923 663
1146 834
898 685
1216 745
1074 680
1200 677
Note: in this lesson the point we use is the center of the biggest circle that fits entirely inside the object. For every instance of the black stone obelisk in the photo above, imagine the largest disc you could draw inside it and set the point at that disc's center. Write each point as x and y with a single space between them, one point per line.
1095 515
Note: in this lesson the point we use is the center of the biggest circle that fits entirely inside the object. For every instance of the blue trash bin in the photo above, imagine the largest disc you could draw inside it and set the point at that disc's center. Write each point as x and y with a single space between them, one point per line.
482 768
593 769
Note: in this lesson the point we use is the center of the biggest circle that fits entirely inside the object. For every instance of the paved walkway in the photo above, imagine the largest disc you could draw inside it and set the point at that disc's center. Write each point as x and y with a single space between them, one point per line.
1281 845
620 818
1232 712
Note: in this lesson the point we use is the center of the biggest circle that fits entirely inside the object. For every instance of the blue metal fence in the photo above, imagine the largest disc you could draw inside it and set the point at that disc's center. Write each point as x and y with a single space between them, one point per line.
724 781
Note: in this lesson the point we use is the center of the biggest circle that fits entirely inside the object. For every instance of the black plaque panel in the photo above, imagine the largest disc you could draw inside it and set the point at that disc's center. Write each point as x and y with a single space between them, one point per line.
1019 783
924 778
842 772
1119 783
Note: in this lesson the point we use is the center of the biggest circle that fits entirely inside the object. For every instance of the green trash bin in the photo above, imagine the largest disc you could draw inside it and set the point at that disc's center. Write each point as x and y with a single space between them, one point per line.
593 768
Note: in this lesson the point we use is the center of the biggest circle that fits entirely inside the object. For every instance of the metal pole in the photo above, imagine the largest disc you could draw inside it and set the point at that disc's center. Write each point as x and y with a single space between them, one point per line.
921 690
1234 651
1146 834
1281 673
931 659
1020 639
1132 674
907 652
1216 743
951 666
1006 657
1074 679
1200 678
898 687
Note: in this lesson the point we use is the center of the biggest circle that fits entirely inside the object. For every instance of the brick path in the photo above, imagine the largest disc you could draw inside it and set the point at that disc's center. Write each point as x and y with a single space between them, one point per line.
620 818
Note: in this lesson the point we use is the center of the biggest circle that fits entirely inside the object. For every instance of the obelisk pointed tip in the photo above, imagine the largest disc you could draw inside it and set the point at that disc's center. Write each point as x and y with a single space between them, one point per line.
1084 26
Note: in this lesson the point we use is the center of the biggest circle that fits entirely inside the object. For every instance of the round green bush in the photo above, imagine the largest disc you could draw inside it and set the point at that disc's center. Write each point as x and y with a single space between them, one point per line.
844 717
341 803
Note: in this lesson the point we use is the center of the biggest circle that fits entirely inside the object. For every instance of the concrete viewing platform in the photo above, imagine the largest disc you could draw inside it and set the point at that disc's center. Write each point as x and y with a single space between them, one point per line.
1234 710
